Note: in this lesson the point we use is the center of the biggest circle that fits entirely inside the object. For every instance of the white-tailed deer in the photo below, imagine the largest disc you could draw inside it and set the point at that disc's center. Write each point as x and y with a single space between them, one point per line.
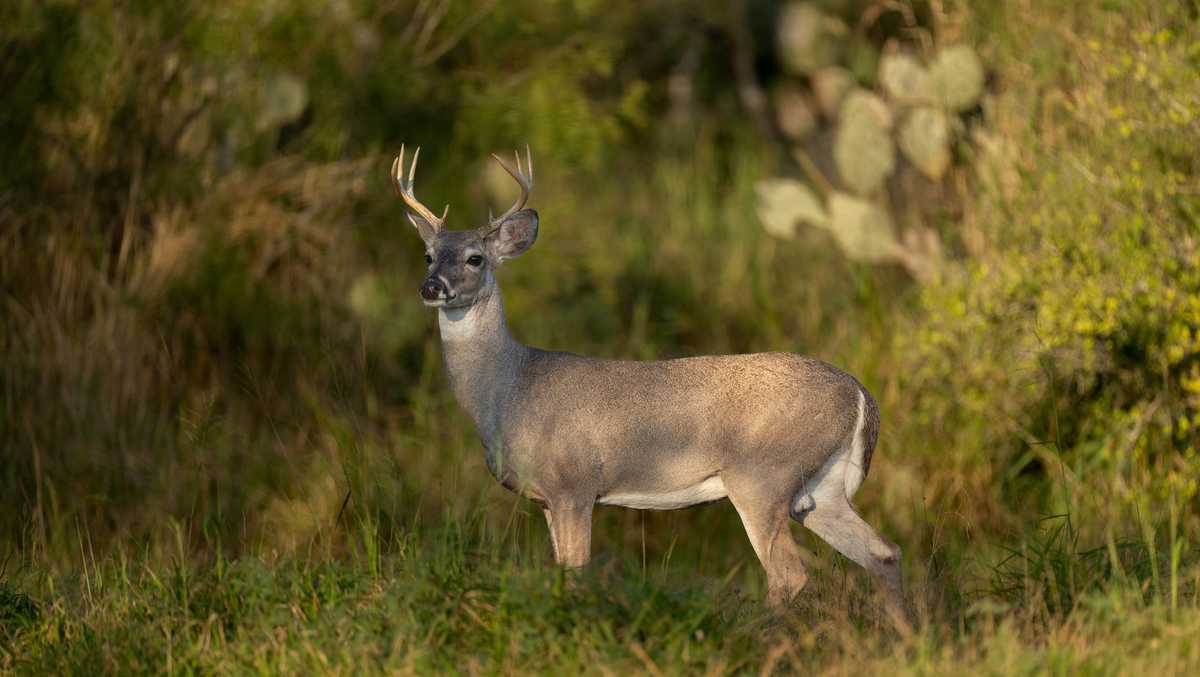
780 435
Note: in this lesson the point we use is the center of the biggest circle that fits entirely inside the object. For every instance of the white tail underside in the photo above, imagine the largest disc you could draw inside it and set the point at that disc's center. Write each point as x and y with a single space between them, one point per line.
843 474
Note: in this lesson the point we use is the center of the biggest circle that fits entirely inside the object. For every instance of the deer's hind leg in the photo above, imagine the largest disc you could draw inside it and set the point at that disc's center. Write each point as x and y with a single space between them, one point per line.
765 516
827 512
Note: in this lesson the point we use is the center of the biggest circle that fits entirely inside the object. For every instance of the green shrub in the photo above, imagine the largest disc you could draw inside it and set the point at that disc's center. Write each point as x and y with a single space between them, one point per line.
1065 360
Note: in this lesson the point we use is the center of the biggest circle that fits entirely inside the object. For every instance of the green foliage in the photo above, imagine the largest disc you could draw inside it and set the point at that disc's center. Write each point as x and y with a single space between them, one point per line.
1071 341
16 609
183 238
1051 569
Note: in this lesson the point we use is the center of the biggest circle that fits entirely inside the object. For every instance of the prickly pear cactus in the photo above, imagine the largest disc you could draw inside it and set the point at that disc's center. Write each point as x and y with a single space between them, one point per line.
924 138
905 80
958 78
863 148
283 100
783 204
830 86
862 230
795 111
806 41
850 103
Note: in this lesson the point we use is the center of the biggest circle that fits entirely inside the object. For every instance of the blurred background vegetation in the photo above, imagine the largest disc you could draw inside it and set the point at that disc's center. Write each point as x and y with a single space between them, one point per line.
210 337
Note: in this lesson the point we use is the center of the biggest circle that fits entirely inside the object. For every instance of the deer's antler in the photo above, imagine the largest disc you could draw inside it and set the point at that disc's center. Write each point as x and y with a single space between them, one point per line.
523 179
405 188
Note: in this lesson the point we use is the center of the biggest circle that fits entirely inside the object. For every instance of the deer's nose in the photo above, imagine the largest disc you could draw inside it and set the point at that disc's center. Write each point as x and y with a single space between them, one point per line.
431 289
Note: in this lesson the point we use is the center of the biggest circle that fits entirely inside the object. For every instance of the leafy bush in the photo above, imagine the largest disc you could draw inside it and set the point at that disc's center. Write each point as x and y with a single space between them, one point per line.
1070 348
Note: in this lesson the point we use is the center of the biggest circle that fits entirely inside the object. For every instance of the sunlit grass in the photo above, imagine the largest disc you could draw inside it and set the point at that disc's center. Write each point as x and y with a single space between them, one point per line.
462 598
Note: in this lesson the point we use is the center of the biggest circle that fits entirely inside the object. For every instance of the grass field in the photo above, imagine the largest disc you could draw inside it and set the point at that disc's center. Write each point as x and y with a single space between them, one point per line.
227 444
463 599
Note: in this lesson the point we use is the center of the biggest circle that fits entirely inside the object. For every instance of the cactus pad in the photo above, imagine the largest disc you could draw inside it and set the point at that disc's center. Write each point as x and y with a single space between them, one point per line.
785 203
957 78
925 140
863 150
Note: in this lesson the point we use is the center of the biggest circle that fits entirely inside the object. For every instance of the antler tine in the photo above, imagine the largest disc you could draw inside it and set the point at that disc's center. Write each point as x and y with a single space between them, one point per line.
523 179
396 175
405 188
527 170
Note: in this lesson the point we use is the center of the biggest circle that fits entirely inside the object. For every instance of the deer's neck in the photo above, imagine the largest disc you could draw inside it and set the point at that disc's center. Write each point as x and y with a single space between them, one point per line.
482 358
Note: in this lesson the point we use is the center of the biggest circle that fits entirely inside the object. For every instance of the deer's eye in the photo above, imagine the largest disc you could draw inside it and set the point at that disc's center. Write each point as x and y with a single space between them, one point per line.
475 260
428 258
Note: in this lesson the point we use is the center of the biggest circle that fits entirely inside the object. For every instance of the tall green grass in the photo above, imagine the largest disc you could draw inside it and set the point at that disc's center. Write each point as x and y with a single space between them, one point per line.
463 597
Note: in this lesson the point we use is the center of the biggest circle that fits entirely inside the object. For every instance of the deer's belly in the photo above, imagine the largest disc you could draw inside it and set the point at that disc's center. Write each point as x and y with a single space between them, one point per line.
710 489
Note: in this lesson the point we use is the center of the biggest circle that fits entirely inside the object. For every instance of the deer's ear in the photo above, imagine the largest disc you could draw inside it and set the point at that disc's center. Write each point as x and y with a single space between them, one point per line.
425 229
515 235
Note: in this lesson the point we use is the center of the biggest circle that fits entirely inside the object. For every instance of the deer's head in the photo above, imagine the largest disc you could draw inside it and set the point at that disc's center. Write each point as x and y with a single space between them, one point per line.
462 262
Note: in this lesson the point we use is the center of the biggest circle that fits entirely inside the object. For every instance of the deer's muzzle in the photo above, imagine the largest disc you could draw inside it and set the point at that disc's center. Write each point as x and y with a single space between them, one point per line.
431 289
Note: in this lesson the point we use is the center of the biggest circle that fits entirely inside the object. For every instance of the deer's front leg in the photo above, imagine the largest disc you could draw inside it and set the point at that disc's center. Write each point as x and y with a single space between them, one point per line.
570 523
